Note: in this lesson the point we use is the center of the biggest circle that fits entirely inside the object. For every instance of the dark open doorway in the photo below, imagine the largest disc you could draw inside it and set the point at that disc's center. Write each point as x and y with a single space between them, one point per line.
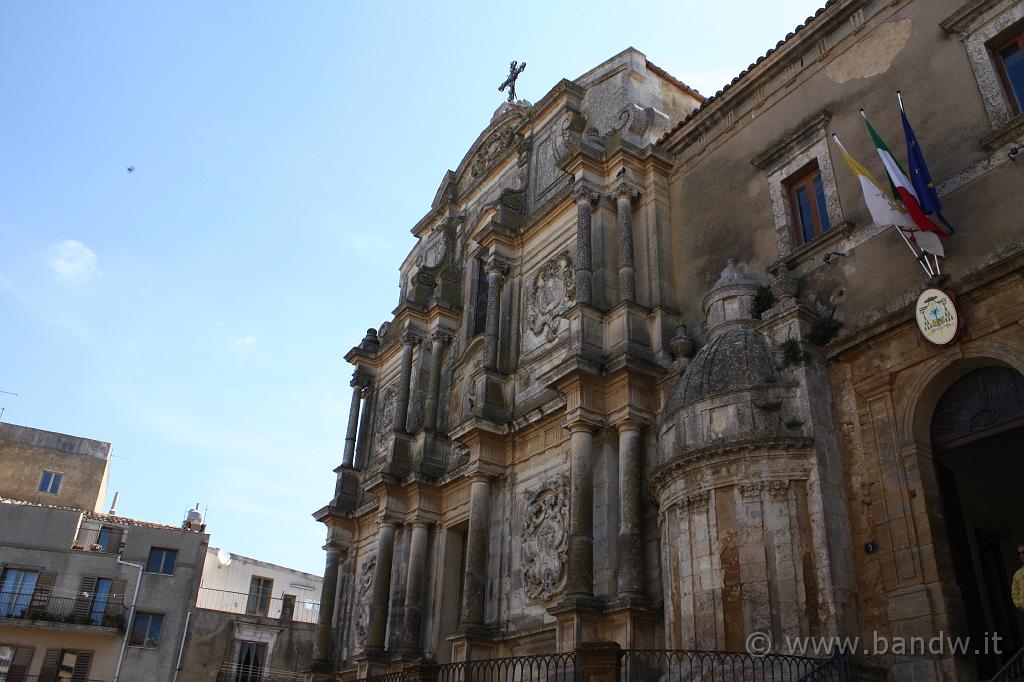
978 443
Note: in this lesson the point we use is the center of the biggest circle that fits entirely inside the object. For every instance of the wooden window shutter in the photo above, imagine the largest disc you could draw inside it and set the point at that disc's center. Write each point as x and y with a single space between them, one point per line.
82 664
115 604
22 660
85 594
48 672
41 594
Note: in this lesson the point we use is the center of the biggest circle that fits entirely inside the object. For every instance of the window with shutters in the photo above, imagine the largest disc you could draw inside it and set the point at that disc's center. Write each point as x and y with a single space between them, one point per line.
99 601
251 660
66 665
260 589
1009 57
146 630
14 662
17 586
161 560
49 482
807 202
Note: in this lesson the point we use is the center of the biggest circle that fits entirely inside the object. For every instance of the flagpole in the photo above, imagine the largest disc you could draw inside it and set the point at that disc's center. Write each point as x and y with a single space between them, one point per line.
900 98
917 256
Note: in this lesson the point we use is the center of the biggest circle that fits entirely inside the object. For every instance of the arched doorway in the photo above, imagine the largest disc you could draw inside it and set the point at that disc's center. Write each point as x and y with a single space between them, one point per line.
977 436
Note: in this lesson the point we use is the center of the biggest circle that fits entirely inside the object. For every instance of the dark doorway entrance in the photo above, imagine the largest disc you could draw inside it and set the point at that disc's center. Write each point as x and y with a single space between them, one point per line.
978 443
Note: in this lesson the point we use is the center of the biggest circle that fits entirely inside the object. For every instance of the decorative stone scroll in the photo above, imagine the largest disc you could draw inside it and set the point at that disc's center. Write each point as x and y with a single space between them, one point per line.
494 147
545 539
364 592
553 292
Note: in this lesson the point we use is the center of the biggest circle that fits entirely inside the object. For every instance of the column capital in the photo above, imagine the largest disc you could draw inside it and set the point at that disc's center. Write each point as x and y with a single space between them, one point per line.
411 337
626 190
630 422
419 521
583 422
584 193
360 380
441 336
386 518
497 265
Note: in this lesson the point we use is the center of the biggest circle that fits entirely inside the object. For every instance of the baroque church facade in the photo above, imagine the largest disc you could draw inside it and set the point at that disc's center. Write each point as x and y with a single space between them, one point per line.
656 378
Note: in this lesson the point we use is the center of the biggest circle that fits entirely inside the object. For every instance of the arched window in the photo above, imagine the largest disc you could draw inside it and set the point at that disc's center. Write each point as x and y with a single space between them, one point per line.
979 404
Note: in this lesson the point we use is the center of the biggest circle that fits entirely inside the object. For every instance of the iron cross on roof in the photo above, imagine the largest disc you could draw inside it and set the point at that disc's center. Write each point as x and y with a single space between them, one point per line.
510 82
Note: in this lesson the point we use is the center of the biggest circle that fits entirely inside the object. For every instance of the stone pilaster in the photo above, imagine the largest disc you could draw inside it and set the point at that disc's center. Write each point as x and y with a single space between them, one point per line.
409 341
415 584
585 198
580 581
359 385
630 569
378 625
438 339
328 595
496 270
624 196
475 580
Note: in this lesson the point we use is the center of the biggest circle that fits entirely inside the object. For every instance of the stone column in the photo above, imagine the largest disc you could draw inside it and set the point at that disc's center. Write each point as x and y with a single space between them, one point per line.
415 582
363 437
496 270
475 581
585 198
630 543
409 341
381 586
580 582
439 338
328 594
358 384
625 194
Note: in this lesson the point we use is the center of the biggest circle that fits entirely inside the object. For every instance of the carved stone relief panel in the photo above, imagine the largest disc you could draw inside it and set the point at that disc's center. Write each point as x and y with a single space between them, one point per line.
364 593
545 539
551 294
388 403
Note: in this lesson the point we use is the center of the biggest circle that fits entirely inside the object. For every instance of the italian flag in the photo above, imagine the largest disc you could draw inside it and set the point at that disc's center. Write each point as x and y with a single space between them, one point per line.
902 188
884 211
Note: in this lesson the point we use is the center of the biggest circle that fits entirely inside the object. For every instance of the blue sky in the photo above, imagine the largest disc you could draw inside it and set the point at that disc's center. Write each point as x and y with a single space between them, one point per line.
195 312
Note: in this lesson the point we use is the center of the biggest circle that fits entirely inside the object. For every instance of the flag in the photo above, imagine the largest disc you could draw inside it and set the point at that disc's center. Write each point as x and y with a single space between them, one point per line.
902 188
919 175
884 211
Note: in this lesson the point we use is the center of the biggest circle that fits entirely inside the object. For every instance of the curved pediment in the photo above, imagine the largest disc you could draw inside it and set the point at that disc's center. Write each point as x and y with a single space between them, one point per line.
491 146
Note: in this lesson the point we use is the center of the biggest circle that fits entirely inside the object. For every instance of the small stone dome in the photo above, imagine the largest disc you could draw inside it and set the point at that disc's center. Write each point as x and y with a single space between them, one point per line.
737 359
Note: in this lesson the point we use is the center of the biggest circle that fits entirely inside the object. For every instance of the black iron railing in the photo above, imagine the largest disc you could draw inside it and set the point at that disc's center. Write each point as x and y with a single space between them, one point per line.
105 540
642 665
1013 669
71 610
250 673
254 605
541 668
17 677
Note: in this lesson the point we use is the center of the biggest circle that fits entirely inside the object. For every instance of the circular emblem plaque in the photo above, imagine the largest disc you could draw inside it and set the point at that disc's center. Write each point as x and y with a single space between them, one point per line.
937 316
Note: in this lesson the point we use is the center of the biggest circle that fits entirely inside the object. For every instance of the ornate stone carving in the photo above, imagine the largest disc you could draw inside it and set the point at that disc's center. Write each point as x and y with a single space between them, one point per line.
553 292
434 251
388 403
751 492
494 147
545 539
582 192
778 491
698 502
364 589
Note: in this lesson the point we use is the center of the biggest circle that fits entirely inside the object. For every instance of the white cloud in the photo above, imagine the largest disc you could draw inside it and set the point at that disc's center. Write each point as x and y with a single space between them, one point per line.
243 341
74 263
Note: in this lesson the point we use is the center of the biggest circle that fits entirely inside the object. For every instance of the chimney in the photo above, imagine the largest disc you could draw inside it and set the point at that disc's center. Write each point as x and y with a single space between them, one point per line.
113 505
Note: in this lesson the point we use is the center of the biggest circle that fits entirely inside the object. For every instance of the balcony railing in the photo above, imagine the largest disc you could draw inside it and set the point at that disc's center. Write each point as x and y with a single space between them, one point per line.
17 677
254 605
62 610
249 673
106 540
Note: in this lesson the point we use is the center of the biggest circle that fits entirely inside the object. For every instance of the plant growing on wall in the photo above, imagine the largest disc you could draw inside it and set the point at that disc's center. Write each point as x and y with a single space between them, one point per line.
792 353
823 330
763 300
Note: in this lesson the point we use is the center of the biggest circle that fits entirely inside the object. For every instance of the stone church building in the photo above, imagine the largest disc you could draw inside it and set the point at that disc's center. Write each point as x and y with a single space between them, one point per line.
655 377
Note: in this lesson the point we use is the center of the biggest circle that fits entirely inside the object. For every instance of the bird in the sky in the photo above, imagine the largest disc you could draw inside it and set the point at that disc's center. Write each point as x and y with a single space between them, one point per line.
131 169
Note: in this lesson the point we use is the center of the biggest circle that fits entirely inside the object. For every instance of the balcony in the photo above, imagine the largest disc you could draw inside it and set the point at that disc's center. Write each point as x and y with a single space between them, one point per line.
255 605
106 540
62 612
250 673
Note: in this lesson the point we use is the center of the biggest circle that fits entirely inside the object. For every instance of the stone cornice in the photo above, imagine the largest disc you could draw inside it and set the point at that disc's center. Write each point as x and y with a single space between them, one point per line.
809 129
961 21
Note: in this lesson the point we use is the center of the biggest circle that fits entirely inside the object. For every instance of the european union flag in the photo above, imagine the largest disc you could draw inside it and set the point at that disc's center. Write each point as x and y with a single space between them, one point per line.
919 175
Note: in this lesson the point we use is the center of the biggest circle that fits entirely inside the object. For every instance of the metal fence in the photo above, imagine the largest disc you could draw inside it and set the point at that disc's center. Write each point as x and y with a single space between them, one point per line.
24 606
107 540
18 677
249 673
254 605
541 668
637 665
